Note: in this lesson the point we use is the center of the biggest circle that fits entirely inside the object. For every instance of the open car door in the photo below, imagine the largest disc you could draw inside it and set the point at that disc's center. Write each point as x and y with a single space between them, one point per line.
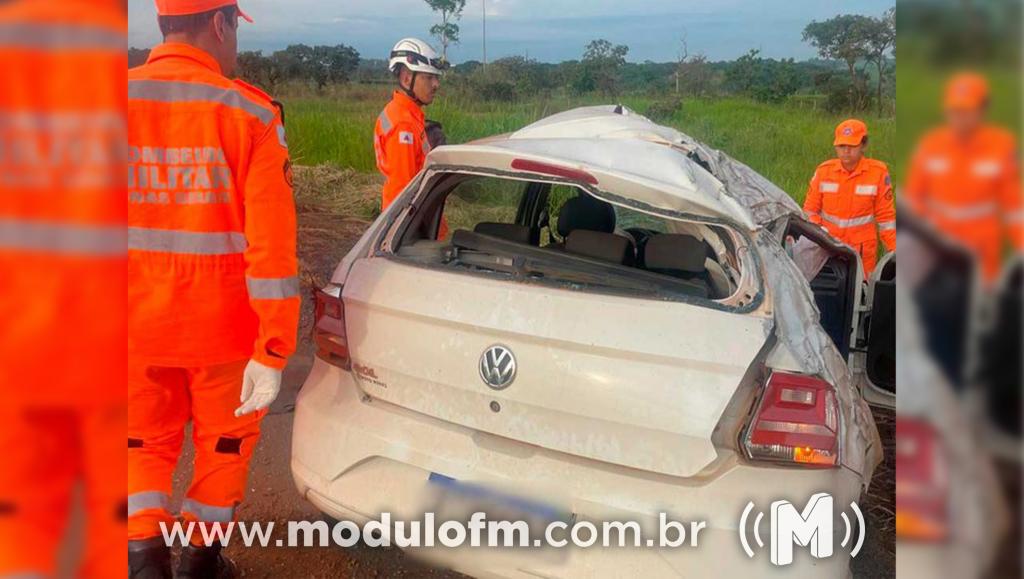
878 343
1001 365
942 278
863 328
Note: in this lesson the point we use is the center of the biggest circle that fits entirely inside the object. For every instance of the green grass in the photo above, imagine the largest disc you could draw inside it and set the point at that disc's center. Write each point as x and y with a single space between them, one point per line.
783 142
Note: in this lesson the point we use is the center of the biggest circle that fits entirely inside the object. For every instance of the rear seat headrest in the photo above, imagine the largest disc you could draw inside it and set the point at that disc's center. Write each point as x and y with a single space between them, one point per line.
603 246
585 212
675 251
510 231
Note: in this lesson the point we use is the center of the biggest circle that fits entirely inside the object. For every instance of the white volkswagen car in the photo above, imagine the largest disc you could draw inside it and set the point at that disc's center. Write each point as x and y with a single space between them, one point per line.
603 316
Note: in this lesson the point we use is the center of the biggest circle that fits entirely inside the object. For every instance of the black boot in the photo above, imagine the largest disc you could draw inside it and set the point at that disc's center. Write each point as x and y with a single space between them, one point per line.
149 559
205 563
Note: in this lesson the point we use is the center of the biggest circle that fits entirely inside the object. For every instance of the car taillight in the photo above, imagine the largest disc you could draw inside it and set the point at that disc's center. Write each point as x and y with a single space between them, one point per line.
921 482
797 421
329 327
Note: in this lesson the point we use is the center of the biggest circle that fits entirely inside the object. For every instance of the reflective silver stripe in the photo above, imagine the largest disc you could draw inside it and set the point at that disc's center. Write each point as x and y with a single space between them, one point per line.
208 513
963 212
937 165
827 187
1014 216
385 122
847 222
272 288
865 190
887 225
64 238
61 36
168 91
426 146
989 168
147 500
61 121
192 242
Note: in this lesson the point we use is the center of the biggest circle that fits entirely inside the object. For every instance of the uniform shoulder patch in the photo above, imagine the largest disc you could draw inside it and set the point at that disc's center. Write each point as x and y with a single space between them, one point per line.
281 138
405 137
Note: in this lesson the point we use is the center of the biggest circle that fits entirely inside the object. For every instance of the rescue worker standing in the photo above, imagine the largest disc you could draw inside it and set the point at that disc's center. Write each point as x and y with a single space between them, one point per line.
213 290
401 140
848 195
63 329
965 177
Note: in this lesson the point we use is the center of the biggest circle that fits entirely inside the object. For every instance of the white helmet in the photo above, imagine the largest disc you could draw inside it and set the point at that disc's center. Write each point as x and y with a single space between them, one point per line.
417 56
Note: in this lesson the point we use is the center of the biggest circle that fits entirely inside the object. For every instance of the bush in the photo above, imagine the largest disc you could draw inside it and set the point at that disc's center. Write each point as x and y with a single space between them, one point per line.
765 79
840 94
508 79
663 111
495 90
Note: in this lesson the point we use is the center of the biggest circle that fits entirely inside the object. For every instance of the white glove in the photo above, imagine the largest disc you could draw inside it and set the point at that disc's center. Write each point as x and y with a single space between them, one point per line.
260 386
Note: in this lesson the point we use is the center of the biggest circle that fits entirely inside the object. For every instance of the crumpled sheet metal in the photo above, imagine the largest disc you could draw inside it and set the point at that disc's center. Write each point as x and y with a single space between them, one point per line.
812 348
765 201
792 300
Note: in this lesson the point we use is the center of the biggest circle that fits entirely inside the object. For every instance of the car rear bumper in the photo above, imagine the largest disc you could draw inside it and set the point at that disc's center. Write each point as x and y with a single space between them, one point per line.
355 457
920 561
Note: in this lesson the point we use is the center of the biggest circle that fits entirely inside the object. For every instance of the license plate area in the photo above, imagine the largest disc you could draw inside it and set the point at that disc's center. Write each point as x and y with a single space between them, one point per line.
458 500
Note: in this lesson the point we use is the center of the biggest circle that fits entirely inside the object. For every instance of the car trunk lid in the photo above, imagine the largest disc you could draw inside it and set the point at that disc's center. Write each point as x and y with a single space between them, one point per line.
635 382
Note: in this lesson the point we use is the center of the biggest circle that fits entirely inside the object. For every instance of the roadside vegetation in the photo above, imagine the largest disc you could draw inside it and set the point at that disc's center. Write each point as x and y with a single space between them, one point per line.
776 115
784 142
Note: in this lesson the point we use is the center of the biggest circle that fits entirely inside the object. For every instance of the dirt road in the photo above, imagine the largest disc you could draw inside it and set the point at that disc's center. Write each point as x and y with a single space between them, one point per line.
327 199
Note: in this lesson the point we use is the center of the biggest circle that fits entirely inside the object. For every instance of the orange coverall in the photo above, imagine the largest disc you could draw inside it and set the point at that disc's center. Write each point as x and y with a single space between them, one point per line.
212 277
970 190
400 144
849 204
62 284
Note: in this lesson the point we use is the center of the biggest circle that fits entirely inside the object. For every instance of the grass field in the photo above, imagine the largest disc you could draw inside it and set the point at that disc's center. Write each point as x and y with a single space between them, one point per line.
783 142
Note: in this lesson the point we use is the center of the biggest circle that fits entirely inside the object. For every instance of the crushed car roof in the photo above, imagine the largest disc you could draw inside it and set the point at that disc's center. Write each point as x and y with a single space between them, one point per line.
671 169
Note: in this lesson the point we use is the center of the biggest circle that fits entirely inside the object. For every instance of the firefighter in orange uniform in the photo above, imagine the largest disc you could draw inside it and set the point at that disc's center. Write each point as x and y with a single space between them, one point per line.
852 194
402 135
965 176
63 328
213 289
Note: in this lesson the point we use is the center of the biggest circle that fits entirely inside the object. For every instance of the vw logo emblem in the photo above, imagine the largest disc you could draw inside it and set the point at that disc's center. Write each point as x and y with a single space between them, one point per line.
498 367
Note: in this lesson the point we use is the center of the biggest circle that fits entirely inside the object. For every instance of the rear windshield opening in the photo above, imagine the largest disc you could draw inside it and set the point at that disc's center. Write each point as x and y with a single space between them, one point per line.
559 233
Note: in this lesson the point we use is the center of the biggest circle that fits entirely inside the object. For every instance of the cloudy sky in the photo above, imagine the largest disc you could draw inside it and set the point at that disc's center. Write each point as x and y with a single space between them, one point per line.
547 30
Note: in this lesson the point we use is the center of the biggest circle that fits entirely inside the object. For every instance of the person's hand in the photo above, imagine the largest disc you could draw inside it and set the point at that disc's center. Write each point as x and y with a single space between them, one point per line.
435 134
260 386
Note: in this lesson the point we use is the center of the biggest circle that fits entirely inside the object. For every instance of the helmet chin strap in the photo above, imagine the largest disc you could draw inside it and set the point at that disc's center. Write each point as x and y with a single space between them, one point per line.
409 92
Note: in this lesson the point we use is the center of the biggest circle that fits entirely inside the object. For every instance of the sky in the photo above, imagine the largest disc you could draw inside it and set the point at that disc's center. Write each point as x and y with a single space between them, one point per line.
545 30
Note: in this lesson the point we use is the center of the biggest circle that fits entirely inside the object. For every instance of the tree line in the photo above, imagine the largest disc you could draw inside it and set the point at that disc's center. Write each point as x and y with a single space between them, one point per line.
856 69
316 65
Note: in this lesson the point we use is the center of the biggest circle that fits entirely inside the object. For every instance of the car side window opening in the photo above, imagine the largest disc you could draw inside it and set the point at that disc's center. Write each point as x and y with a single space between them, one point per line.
560 233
